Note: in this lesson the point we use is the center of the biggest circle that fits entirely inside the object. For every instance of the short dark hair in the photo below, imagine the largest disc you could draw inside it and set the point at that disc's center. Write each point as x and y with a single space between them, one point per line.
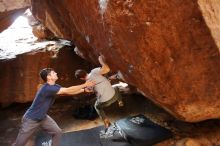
79 73
44 72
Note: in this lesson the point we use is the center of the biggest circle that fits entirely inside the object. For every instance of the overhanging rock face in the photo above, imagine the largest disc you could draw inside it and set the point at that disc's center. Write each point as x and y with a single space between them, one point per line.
166 48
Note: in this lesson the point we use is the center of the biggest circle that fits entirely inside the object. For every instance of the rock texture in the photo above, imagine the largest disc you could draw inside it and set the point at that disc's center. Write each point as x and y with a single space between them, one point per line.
10 10
41 32
38 29
210 11
20 77
167 48
7 18
9 5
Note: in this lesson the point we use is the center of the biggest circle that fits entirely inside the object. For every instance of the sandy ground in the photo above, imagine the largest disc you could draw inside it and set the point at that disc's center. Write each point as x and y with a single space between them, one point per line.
206 133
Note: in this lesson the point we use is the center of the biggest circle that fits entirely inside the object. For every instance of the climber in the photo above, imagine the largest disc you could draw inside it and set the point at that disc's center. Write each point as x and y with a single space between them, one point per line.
105 93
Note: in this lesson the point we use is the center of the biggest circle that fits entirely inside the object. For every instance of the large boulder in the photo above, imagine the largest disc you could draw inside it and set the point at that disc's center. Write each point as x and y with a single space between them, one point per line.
168 49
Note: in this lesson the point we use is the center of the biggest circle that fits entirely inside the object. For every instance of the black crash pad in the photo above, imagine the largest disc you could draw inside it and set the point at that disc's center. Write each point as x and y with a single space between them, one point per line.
130 131
140 131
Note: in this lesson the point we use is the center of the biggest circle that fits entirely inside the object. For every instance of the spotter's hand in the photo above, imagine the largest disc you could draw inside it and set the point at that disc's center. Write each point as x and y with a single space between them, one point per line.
89 90
90 83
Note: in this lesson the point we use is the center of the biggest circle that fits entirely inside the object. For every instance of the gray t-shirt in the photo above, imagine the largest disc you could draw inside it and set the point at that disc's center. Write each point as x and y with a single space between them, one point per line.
103 88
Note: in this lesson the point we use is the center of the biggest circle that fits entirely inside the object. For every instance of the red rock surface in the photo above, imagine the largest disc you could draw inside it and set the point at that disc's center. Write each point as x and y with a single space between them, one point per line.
169 49
7 18
9 5
166 48
210 12
41 32
10 10
38 29
20 79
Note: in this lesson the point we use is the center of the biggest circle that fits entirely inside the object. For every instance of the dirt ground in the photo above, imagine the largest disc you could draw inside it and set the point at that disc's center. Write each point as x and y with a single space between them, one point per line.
206 133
